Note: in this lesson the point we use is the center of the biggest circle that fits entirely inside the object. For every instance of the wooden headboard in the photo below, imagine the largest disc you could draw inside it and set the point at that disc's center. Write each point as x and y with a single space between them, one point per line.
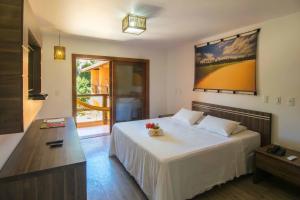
253 120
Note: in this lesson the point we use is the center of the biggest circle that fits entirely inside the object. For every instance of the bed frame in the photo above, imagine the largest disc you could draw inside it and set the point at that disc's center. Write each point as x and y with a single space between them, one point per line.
254 120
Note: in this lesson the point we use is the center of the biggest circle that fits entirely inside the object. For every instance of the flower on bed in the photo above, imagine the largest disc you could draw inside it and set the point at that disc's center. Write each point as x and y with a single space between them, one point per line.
152 126
154 129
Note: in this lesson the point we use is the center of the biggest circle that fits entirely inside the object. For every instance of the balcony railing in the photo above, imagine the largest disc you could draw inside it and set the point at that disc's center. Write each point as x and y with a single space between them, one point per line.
89 104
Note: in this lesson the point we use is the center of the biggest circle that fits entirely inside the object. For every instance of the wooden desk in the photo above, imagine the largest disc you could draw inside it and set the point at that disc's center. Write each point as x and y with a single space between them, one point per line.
277 165
34 171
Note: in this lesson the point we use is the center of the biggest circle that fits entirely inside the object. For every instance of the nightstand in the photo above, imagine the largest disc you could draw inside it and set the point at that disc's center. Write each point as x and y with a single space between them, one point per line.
166 115
277 165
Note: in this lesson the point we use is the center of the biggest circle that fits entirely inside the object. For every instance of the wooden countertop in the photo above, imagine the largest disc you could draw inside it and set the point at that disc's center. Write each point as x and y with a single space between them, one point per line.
32 155
289 152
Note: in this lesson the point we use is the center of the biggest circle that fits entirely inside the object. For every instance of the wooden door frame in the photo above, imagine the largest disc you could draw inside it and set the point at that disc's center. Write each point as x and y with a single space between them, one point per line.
110 59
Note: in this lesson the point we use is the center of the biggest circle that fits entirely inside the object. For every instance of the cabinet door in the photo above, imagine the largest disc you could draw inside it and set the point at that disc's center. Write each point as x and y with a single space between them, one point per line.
130 93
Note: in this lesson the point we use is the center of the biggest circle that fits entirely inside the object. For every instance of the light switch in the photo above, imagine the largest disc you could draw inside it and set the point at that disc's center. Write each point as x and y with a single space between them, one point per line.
266 99
291 101
278 100
179 91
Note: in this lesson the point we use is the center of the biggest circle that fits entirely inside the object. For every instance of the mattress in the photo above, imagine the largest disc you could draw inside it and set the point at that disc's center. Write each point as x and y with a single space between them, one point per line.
184 162
8 143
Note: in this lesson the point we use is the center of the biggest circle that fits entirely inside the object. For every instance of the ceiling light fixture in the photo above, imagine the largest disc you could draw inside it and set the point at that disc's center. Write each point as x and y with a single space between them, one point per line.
59 51
134 24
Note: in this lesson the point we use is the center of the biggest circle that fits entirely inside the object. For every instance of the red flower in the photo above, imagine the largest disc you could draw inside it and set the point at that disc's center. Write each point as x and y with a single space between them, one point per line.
152 126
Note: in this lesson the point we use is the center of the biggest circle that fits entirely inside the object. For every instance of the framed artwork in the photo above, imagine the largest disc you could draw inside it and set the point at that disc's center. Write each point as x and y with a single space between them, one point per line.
227 65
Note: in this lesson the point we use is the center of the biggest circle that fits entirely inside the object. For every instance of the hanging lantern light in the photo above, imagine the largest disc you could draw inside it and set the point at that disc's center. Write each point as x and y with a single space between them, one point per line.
59 51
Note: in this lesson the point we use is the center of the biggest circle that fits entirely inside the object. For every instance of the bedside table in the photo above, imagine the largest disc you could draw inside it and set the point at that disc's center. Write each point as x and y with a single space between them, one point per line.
277 165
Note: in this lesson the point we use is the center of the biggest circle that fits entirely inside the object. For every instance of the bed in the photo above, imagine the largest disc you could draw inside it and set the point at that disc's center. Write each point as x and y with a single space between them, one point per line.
187 161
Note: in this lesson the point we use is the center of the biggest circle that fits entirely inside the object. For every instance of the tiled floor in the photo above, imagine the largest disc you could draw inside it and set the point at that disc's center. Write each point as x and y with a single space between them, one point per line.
108 180
93 131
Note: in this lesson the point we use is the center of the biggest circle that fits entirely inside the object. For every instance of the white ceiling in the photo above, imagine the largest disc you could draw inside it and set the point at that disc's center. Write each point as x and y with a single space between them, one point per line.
169 21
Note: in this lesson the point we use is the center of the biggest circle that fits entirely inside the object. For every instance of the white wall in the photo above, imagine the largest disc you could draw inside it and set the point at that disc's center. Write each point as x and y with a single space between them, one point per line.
278 75
57 76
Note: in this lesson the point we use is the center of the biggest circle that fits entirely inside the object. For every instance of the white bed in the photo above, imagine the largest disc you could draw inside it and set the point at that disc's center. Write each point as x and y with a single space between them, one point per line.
185 161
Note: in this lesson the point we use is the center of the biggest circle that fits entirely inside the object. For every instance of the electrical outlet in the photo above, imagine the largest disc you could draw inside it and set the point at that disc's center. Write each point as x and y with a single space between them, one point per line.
278 100
291 101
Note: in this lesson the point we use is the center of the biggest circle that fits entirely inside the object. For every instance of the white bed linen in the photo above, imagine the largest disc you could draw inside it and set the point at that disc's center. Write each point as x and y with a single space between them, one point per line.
8 143
184 162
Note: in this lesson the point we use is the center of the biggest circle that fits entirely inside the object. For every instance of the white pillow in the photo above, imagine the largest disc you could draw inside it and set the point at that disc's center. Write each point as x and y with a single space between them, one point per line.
201 118
239 128
218 125
188 116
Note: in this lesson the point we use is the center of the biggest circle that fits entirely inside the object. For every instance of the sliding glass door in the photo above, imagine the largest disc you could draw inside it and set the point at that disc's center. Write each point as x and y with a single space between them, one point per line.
106 90
130 95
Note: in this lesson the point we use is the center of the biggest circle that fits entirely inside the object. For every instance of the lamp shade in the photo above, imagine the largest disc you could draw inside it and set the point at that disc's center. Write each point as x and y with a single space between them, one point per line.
59 53
134 24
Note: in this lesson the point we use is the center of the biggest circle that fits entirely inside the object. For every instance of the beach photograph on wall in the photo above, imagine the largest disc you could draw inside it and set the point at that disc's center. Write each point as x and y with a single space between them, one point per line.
229 64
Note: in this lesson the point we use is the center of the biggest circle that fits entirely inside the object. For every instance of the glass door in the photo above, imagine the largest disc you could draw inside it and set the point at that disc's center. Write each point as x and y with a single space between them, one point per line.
130 95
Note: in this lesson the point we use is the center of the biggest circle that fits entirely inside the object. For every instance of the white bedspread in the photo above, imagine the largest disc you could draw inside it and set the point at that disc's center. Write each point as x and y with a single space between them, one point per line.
184 162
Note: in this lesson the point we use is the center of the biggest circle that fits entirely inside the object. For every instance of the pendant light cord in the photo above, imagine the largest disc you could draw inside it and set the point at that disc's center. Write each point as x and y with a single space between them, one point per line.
59 38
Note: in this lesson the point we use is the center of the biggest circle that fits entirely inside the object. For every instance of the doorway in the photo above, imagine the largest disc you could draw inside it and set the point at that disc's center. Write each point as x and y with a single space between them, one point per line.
92 97
107 90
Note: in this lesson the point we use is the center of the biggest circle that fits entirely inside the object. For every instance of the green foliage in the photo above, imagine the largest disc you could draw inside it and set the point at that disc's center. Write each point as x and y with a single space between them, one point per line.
86 75
83 85
82 63
83 79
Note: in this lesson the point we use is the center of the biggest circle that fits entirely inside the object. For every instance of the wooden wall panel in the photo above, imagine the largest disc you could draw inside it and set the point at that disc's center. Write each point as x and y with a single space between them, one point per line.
16 20
11 14
11 82
10 115
10 86
9 61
